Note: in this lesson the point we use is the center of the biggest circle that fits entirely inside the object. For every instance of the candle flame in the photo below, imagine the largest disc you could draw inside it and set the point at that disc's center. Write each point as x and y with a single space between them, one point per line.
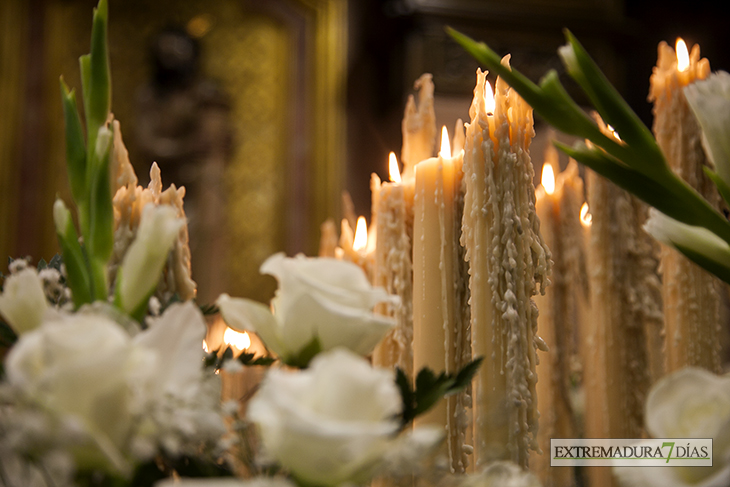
393 168
682 55
205 346
548 178
445 151
361 235
488 98
240 341
585 218
613 132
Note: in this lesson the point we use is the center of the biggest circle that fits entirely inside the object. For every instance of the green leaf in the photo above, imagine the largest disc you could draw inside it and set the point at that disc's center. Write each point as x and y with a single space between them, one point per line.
250 359
56 262
97 76
208 309
629 179
75 145
711 266
673 198
467 373
722 187
7 336
613 108
549 99
408 397
77 268
211 360
101 215
302 359
430 388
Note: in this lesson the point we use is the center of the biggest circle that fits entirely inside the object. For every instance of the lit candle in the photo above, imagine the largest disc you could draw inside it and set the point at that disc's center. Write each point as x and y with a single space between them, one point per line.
394 268
508 259
625 306
691 299
558 205
392 210
440 327
355 247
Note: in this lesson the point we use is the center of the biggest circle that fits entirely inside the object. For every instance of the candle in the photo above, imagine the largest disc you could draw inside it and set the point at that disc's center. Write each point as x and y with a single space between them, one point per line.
392 210
355 247
560 310
691 299
394 266
440 328
418 126
625 306
508 259
328 238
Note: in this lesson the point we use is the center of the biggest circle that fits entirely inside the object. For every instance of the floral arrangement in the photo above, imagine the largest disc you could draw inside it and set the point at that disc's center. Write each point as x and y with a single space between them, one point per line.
106 381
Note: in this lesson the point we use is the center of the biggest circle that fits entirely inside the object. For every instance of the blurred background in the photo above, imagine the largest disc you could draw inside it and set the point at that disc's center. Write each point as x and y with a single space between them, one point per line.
267 110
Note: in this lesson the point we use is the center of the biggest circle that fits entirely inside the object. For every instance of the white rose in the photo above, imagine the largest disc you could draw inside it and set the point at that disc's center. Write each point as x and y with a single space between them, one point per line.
76 367
690 403
330 423
23 301
318 298
178 400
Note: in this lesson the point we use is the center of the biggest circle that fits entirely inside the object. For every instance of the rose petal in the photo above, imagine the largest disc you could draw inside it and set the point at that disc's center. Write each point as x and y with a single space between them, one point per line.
245 314
176 339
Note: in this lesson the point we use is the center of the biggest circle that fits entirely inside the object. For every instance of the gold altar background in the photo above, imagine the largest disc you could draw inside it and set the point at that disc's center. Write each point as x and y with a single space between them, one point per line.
316 90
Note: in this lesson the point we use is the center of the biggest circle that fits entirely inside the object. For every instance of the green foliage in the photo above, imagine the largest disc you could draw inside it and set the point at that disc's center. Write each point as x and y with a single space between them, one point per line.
635 163
75 145
248 359
302 359
209 309
7 335
431 387
88 164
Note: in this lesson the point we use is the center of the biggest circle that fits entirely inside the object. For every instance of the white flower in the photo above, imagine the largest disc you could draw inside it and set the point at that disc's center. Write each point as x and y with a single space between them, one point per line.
687 238
710 102
76 366
318 298
117 399
330 423
23 301
179 402
690 403
142 264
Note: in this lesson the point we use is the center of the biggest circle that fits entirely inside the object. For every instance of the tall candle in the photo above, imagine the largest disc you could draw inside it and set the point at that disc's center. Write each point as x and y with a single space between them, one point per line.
625 308
691 299
440 330
508 259
392 209
394 266
558 202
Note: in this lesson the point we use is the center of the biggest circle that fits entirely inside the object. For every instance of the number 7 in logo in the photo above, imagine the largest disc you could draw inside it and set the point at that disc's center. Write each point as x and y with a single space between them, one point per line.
670 444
